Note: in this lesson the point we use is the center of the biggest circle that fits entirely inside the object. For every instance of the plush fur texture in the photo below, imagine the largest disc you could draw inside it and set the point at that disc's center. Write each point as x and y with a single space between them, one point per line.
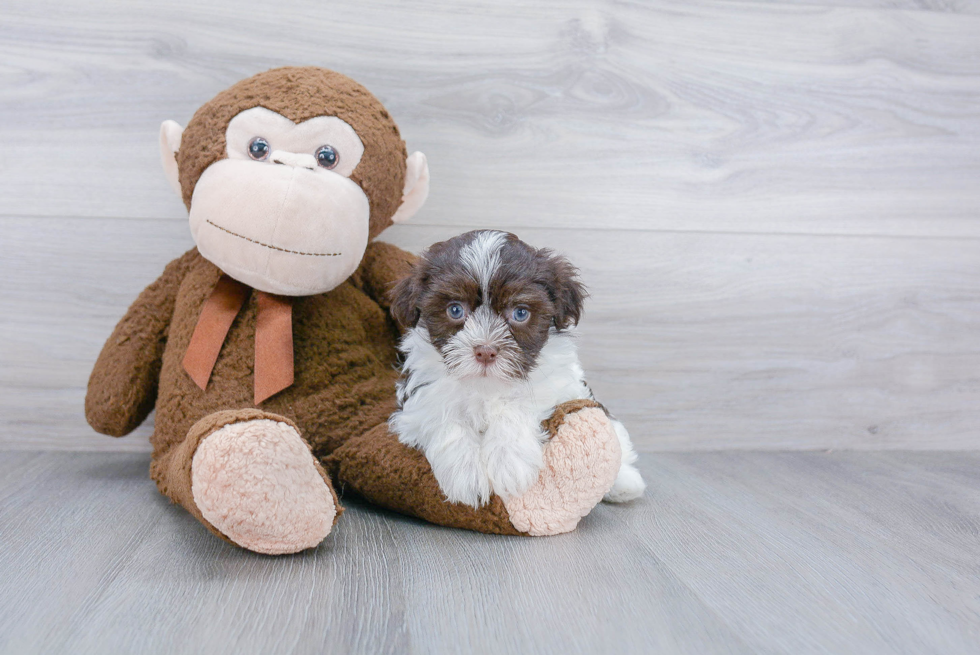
299 94
344 377
488 355
580 464
257 483
344 340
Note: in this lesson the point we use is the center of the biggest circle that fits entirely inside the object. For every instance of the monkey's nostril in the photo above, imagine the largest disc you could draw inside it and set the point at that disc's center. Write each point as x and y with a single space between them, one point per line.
485 354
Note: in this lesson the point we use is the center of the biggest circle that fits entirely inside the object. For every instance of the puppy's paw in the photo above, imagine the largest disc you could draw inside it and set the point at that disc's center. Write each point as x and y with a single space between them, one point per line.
461 477
469 487
629 484
512 454
512 471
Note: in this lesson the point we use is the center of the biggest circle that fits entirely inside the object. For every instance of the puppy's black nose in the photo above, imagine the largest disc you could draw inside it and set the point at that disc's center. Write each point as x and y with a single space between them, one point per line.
485 354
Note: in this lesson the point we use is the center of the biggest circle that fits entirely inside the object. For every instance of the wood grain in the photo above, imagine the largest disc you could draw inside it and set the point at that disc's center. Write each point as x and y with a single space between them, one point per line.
817 540
701 341
727 553
707 116
775 204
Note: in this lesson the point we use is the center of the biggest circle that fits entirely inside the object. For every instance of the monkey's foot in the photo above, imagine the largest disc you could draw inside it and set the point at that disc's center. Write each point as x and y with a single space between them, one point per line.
581 462
256 481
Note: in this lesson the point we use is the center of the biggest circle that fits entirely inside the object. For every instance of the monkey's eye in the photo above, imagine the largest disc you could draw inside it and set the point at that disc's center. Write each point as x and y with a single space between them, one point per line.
258 149
520 314
327 157
456 311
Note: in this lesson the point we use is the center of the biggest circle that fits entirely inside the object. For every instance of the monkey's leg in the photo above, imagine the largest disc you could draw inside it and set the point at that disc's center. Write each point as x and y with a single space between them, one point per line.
250 478
581 461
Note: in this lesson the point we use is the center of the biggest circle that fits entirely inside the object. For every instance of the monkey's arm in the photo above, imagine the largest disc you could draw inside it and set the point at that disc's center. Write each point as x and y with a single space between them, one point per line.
123 384
383 265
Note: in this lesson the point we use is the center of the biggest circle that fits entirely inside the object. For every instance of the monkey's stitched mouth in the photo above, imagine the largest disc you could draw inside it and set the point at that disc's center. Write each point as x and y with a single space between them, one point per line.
292 252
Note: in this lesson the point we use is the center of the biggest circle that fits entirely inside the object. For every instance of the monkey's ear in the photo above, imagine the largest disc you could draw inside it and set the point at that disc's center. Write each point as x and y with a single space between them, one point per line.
416 187
170 133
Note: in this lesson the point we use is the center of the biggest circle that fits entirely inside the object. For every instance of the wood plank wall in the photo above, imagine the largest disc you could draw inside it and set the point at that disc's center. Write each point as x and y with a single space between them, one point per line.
775 204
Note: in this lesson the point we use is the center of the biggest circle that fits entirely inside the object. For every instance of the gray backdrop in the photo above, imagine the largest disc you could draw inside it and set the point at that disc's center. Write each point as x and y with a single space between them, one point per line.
775 204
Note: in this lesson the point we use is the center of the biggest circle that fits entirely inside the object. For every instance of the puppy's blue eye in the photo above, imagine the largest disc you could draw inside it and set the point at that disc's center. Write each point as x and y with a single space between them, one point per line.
456 311
258 148
520 315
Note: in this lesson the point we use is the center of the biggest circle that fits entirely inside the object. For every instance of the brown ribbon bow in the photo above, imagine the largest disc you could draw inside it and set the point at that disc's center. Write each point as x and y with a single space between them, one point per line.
273 337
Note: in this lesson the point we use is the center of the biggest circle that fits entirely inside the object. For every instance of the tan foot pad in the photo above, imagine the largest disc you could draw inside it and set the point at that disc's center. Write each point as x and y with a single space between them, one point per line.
580 465
257 482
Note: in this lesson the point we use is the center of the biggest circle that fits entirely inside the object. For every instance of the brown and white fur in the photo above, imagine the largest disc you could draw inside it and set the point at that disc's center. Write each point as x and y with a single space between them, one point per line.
488 353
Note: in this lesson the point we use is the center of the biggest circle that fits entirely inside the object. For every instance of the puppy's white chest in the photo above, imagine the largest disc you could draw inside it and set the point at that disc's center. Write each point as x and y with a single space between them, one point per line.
481 409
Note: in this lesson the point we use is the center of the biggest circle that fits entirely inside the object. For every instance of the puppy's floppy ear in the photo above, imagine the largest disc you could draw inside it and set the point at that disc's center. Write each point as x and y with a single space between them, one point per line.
565 289
405 297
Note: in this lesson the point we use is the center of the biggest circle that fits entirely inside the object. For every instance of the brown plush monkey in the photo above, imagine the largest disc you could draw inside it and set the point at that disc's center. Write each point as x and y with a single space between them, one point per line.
268 349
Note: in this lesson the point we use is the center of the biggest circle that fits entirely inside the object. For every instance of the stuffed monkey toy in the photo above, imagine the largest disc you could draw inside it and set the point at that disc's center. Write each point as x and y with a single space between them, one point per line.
268 350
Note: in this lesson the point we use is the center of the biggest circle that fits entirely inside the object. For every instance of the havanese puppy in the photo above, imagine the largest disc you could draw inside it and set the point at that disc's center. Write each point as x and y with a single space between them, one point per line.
488 353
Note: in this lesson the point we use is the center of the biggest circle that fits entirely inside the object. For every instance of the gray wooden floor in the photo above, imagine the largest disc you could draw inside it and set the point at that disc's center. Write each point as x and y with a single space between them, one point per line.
728 553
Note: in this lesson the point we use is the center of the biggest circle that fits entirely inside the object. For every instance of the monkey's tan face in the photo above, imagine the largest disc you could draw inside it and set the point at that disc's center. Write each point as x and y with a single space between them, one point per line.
280 213
274 205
